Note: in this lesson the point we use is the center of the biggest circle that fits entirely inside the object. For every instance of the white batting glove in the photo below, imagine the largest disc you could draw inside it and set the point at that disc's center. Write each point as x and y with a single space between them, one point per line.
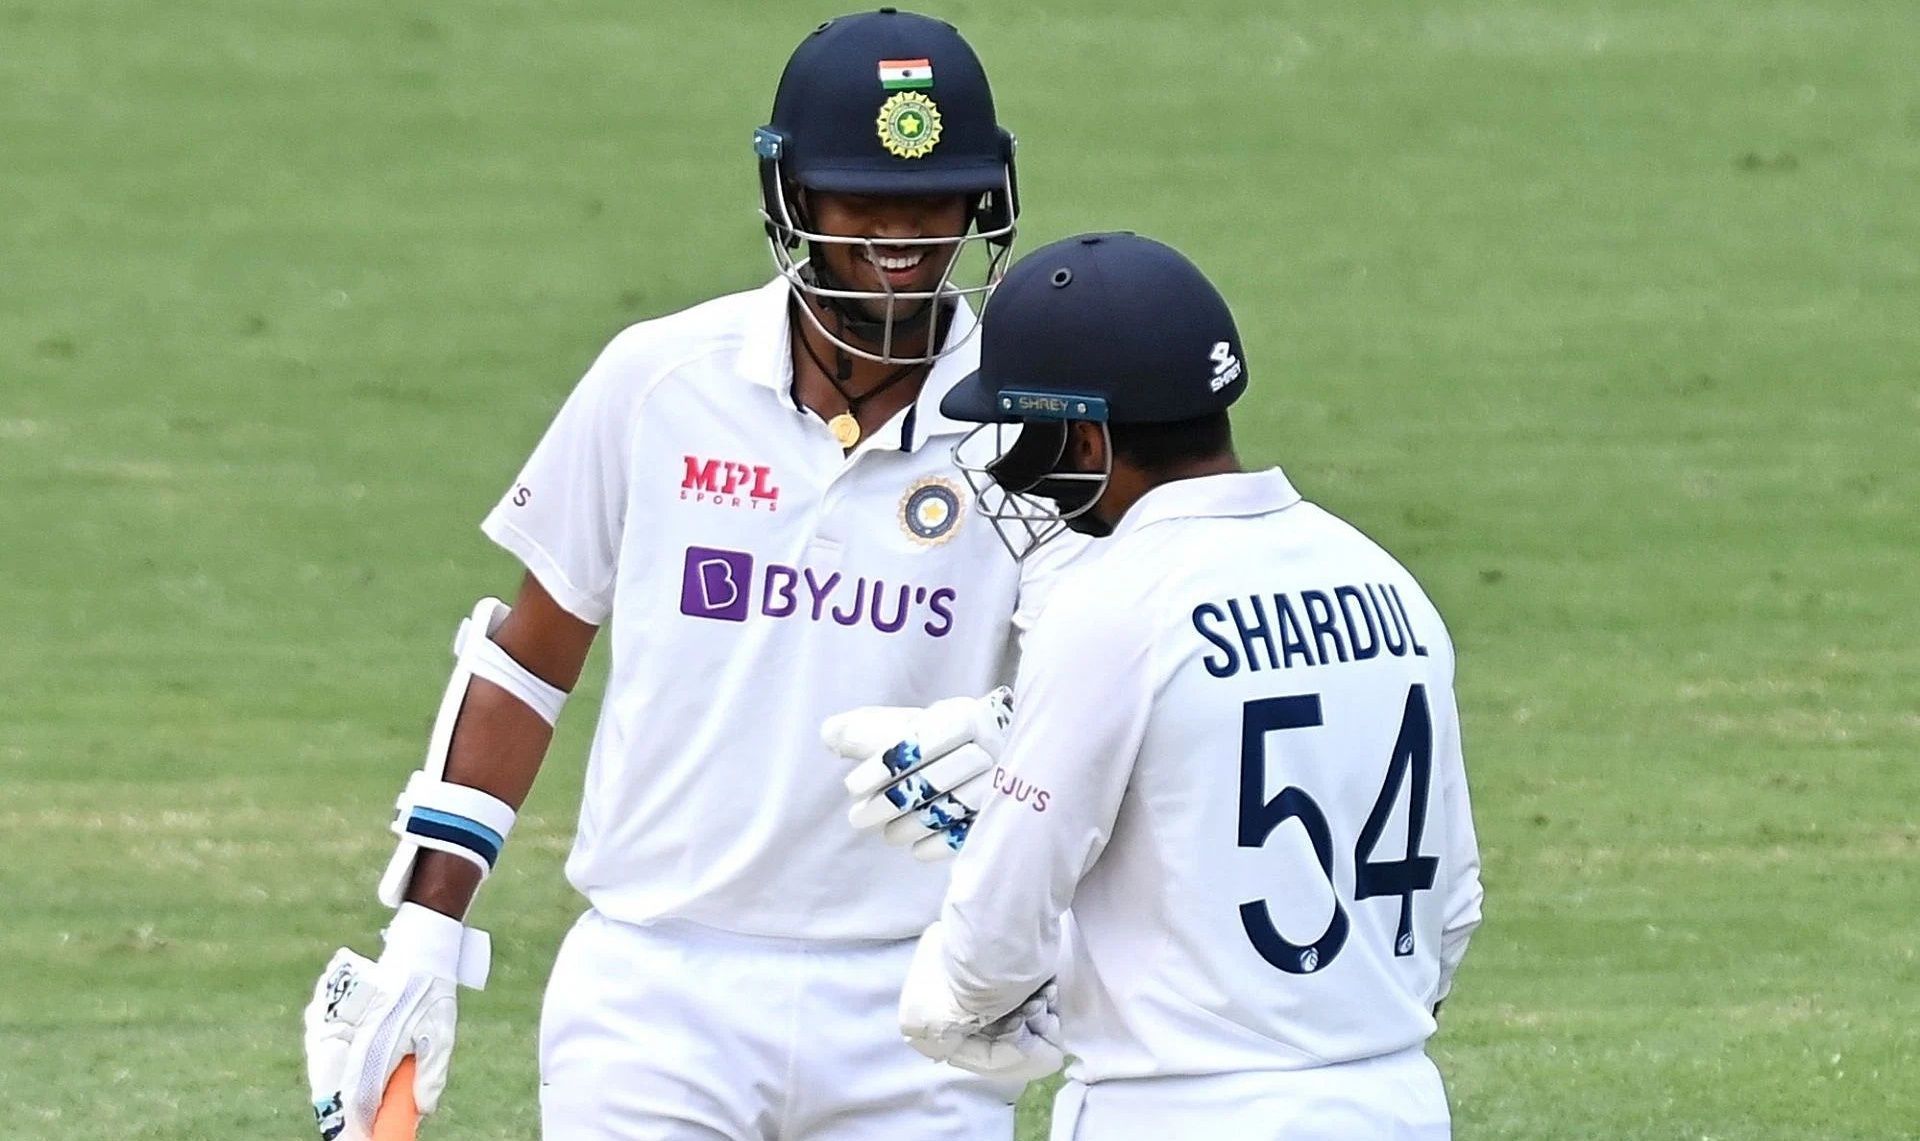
921 774
1023 1045
366 1016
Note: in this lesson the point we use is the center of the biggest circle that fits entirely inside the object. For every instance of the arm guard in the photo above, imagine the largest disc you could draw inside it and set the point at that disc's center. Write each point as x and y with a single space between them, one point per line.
467 822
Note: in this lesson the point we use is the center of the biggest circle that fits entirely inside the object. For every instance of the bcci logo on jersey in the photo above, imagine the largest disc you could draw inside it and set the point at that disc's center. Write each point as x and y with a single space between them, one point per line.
721 585
930 510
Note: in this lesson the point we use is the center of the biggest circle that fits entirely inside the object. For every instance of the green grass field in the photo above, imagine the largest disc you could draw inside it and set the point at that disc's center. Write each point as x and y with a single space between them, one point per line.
1604 315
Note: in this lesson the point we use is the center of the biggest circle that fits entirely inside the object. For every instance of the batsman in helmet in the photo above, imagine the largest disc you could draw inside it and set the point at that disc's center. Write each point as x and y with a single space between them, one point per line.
1231 812
754 499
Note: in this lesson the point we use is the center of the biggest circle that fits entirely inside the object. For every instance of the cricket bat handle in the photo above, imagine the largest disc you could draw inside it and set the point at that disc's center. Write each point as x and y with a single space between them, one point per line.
399 1117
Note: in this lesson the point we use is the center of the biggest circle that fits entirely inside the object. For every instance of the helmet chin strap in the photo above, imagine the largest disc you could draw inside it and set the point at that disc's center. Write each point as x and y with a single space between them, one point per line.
1034 467
1074 500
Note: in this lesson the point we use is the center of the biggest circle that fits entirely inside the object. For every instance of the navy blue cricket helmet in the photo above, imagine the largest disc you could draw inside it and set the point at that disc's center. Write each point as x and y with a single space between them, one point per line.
886 103
1104 328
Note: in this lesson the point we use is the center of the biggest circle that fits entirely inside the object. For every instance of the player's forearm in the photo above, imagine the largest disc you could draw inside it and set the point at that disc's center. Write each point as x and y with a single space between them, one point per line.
1464 892
498 746
498 740
1003 930
1057 793
1463 918
991 977
444 883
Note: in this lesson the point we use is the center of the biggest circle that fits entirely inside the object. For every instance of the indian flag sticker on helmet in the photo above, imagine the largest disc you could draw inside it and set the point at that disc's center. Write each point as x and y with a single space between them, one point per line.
909 124
904 74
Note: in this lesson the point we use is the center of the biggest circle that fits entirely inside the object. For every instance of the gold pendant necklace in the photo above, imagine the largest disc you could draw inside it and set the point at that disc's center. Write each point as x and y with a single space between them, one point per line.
845 426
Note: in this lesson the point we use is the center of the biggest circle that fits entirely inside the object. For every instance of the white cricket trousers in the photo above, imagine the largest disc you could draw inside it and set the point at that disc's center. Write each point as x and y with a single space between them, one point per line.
1395 1097
683 1033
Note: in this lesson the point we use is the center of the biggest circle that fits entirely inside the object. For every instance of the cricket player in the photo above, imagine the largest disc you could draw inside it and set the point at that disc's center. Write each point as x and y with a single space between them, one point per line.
756 496
1234 762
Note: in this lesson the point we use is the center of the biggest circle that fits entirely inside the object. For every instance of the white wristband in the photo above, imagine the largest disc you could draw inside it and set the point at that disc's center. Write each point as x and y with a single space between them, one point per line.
420 940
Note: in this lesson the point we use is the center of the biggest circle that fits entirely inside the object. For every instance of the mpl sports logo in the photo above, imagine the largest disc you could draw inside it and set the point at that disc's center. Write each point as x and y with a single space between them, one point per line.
722 585
725 483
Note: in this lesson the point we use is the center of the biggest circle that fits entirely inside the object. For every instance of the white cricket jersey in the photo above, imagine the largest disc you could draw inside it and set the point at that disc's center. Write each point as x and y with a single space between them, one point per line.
756 580
1220 729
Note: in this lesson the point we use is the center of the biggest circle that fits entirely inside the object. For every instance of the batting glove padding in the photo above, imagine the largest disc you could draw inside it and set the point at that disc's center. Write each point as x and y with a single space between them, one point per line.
1022 1045
920 774
366 1016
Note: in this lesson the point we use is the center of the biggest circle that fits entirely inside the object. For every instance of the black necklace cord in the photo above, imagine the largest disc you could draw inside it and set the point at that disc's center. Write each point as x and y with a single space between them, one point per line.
840 375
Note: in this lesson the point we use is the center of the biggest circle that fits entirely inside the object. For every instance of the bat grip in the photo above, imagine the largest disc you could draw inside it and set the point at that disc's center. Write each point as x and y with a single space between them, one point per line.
399 1116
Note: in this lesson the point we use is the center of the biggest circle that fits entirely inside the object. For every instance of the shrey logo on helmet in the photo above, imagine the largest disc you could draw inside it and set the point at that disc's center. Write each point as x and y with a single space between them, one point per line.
887 104
1226 366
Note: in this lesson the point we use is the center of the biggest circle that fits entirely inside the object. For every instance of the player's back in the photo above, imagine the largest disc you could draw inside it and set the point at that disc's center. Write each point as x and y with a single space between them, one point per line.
1294 839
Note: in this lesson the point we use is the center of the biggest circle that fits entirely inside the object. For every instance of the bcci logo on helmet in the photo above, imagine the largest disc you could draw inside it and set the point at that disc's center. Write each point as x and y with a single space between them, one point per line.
909 125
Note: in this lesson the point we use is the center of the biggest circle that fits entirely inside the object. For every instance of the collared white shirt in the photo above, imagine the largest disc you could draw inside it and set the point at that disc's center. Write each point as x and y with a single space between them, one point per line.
756 580
1221 727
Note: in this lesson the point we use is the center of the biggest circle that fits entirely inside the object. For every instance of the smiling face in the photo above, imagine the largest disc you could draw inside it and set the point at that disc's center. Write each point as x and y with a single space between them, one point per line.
888 266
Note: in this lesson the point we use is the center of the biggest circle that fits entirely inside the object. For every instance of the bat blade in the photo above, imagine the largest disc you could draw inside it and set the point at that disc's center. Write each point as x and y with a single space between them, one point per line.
399 1117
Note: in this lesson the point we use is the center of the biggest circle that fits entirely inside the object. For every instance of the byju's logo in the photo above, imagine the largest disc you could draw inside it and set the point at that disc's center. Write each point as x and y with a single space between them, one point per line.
716 584
728 484
722 585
